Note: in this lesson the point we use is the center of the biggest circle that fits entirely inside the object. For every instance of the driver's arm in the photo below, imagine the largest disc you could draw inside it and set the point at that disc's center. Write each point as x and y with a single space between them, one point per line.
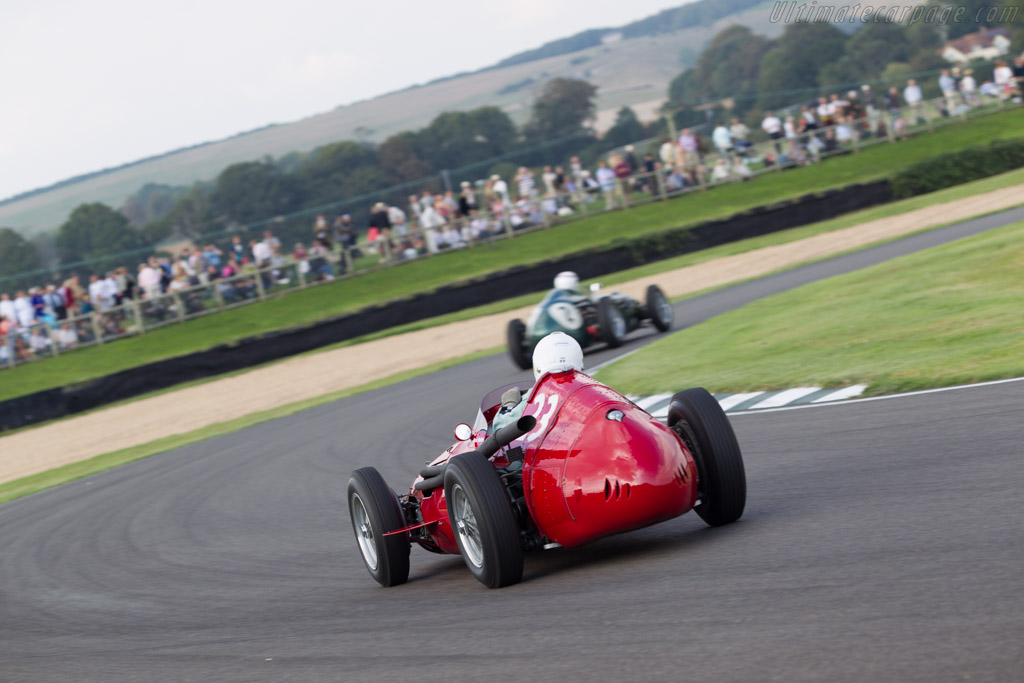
513 403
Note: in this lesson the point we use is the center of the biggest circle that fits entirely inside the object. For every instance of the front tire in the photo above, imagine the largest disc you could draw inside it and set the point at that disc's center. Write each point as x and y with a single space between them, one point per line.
611 322
695 415
483 521
374 510
659 310
517 344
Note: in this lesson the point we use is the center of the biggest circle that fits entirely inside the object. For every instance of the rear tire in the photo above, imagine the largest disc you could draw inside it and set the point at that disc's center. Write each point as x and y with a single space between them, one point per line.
483 521
659 310
695 415
374 510
611 322
517 344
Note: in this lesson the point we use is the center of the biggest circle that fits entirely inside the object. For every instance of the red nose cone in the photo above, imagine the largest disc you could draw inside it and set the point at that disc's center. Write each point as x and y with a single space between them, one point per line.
624 473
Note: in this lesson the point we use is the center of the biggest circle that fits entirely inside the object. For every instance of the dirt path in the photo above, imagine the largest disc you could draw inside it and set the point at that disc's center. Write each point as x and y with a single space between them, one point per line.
78 438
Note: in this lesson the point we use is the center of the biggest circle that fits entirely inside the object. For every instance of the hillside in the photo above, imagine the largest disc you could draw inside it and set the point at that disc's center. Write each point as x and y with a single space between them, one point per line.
632 71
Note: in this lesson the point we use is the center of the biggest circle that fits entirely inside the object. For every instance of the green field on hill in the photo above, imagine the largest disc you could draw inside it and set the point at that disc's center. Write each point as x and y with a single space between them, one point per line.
948 315
317 303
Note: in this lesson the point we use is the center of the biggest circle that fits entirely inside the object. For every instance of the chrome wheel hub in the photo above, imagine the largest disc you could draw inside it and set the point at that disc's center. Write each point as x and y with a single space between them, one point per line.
364 533
466 527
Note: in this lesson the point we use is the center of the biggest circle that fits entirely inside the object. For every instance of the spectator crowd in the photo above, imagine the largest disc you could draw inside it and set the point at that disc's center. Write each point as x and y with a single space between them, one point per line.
41 321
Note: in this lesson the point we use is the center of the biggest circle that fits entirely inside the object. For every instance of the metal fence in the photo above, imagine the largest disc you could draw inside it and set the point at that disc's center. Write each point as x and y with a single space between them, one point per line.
697 173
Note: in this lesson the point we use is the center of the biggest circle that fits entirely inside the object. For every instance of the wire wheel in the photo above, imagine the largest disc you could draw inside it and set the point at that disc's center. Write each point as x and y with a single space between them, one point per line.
364 533
466 526
374 511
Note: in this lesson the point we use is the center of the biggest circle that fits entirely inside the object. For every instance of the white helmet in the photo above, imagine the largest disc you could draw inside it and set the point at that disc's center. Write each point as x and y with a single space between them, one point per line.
567 280
557 352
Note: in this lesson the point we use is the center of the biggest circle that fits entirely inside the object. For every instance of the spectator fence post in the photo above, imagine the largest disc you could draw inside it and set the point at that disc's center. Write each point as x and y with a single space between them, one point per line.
508 224
346 254
855 141
544 216
662 189
54 351
929 120
582 197
301 275
386 251
134 305
96 329
217 294
9 343
178 306
260 289
890 128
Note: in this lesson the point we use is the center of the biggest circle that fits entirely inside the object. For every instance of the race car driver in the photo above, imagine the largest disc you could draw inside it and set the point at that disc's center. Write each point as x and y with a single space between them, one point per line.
557 352
569 282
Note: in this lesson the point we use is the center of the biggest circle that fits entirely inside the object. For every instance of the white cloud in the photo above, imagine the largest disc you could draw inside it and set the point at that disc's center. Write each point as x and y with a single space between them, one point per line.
94 84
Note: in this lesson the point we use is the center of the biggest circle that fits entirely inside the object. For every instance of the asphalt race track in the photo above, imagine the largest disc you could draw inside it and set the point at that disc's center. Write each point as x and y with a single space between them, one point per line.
882 541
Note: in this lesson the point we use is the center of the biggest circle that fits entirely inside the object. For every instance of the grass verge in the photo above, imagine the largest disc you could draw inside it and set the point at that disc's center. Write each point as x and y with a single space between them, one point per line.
317 303
948 315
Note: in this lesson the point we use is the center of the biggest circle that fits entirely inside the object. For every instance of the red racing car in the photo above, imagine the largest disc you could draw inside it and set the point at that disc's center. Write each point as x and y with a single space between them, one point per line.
583 462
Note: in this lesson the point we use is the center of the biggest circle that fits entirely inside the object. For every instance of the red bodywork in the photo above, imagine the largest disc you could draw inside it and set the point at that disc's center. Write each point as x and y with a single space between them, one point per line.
584 476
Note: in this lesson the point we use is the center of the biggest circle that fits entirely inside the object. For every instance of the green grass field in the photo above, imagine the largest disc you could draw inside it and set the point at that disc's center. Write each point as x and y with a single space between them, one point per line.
948 315
308 305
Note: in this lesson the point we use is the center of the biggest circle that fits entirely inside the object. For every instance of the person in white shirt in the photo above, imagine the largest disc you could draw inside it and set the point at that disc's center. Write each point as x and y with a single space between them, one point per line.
773 126
397 218
111 291
23 313
740 169
912 96
97 292
739 133
1003 76
149 280
843 132
790 128
969 87
451 237
39 342
606 178
479 227
66 336
720 172
549 177
825 111
500 188
722 139
261 253
7 308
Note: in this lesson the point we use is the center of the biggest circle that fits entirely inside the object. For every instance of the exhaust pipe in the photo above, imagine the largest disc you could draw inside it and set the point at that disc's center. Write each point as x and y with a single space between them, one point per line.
506 435
433 475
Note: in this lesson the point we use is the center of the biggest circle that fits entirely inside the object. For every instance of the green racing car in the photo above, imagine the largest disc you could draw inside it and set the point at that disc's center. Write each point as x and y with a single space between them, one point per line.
591 319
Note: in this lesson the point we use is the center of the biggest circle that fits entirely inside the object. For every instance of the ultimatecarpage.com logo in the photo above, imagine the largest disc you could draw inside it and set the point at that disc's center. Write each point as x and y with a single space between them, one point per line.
789 11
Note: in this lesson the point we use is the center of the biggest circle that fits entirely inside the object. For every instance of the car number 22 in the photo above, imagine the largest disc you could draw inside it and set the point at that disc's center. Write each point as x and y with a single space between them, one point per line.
543 415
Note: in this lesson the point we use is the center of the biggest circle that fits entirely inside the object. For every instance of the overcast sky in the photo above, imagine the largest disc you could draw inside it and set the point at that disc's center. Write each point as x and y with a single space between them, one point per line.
97 83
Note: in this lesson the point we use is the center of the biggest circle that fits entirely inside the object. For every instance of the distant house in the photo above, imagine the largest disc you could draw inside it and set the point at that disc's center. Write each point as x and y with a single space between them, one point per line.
611 37
983 44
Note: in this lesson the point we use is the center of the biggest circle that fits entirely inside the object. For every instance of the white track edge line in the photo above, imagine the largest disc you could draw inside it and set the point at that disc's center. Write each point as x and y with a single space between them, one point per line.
849 401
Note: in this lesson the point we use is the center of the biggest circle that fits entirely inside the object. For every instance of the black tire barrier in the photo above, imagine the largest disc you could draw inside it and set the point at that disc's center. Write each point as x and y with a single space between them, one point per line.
251 351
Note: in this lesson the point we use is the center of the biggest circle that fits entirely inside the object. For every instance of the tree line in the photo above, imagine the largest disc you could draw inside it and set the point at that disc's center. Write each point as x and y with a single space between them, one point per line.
747 74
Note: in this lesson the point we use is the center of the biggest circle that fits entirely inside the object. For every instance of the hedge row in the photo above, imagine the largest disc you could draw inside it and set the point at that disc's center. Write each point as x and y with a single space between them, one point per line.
958 167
